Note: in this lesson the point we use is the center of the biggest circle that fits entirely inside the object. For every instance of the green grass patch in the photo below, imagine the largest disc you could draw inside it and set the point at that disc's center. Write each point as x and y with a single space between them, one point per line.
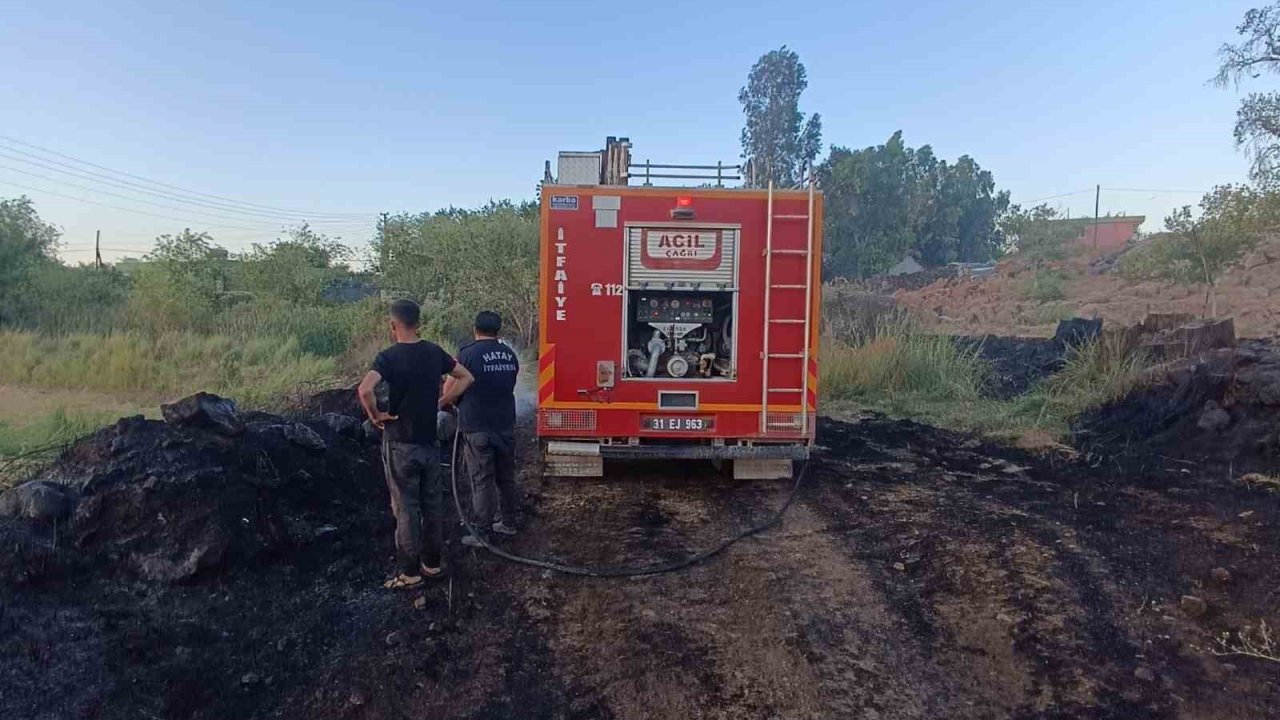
25 446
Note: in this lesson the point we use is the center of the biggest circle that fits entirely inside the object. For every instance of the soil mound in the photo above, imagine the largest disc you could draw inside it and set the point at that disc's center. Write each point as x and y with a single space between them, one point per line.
1219 408
1001 304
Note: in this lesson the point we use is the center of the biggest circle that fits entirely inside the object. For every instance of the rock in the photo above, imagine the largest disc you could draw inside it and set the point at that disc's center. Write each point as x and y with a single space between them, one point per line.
899 567
1193 606
303 436
1144 674
250 679
325 531
1268 388
1221 575
394 638
421 604
357 698
1213 418
38 500
344 425
162 567
339 401
205 410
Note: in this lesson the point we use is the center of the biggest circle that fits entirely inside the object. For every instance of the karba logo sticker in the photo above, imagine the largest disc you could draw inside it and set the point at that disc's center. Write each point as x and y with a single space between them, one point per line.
564 202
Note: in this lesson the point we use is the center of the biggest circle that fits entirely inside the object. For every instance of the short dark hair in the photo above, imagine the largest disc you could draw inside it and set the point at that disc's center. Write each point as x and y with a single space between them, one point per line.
488 322
407 312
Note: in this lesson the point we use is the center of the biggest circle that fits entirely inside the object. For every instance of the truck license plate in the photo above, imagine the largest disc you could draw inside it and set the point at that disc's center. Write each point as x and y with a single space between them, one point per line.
678 423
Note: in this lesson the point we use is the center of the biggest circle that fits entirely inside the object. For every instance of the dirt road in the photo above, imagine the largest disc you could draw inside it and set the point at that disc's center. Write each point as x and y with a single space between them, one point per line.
919 575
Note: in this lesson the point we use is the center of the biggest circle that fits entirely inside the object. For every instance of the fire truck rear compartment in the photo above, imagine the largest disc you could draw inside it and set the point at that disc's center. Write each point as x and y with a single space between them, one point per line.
685 335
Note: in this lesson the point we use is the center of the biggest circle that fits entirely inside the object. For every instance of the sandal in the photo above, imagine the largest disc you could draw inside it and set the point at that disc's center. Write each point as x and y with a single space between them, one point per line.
403 582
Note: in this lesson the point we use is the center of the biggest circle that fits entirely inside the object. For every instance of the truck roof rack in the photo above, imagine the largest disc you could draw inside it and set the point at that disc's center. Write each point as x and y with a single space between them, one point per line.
721 172
613 166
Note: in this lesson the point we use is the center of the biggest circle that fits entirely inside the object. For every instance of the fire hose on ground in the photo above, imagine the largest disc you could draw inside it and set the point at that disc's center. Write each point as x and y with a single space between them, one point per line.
613 572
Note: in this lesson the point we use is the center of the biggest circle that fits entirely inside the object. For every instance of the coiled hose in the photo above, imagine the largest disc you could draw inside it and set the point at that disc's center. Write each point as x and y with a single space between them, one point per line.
613 572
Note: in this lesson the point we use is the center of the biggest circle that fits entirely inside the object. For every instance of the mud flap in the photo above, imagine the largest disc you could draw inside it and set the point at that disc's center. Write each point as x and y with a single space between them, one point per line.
767 469
573 465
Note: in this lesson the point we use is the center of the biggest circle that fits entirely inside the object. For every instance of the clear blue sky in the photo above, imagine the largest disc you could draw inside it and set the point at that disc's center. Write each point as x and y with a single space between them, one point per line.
364 107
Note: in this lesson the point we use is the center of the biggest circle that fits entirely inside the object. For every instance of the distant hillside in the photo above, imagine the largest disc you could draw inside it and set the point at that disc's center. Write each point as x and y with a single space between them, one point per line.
1002 304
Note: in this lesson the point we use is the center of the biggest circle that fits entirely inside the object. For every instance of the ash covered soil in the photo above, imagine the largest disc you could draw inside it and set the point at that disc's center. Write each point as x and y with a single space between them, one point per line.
919 574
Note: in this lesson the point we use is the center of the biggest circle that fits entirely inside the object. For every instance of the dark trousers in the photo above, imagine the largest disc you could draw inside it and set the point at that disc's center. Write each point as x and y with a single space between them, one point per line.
413 479
491 466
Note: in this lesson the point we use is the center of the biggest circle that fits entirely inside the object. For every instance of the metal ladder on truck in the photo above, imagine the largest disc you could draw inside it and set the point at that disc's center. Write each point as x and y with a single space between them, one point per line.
787 280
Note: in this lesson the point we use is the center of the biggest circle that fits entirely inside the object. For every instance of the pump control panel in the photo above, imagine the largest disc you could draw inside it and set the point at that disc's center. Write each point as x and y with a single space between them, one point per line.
674 308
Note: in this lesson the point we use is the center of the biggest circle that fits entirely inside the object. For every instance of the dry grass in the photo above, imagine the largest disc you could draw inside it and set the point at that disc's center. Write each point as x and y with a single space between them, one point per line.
895 357
1259 643
255 372
899 369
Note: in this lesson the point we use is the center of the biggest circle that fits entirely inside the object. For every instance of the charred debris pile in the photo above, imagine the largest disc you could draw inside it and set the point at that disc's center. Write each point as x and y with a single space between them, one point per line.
1218 409
207 488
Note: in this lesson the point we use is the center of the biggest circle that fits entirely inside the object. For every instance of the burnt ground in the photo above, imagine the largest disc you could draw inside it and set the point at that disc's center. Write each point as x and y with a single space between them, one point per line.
1016 364
920 574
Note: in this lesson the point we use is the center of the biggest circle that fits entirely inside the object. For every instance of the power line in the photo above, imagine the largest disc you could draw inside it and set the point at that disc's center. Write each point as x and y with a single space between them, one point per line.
105 249
269 223
176 187
129 210
1160 192
55 166
1059 195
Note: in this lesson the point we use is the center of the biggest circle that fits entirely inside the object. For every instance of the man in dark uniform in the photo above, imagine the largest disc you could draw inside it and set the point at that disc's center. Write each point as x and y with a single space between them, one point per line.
413 369
487 421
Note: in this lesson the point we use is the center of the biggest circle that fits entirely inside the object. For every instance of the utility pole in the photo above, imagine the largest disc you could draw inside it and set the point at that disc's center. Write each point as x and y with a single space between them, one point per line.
1097 202
97 249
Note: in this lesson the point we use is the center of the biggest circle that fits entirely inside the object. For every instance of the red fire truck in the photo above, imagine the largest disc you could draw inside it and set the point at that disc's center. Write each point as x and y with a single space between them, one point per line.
676 322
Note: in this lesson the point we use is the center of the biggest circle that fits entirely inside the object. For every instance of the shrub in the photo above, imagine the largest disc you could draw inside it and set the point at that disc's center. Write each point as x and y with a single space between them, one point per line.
1044 286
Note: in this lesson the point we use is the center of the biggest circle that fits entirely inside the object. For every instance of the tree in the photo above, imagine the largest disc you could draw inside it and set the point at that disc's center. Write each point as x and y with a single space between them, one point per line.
867 207
456 262
777 142
1040 234
181 282
1257 127
956 207
26 244
886 201
295 269
1198 250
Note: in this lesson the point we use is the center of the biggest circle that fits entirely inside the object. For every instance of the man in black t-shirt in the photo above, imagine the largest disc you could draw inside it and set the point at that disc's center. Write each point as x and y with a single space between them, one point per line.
487 421
413 369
